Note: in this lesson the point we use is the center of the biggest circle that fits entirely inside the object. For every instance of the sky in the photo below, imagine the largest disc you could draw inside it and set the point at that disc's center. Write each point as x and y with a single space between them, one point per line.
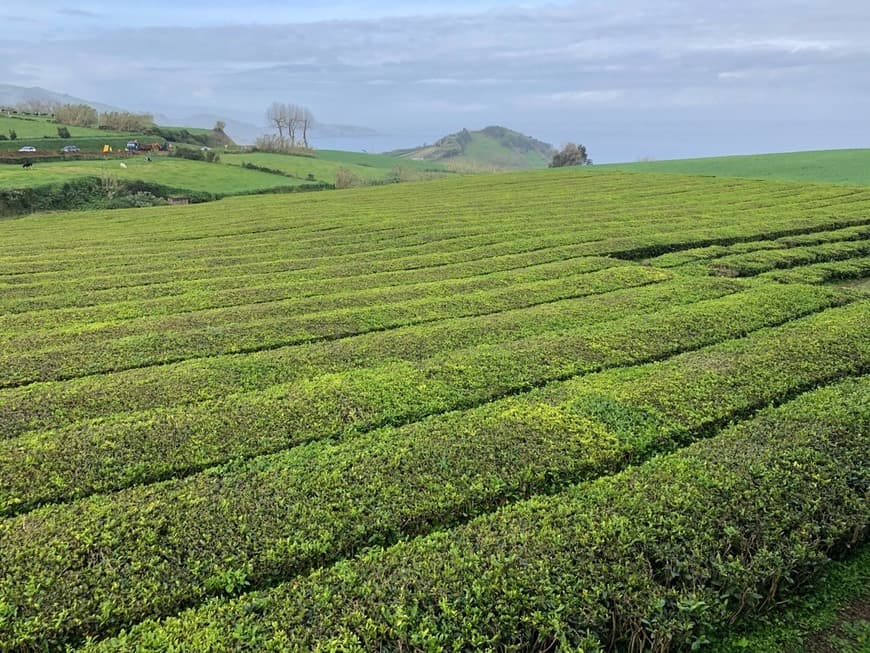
630 79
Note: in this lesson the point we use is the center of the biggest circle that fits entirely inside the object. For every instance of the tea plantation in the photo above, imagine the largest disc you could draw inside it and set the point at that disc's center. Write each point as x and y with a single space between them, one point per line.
575 410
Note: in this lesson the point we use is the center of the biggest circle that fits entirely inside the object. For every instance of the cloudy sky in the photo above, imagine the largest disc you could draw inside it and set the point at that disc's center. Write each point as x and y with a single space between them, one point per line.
628 78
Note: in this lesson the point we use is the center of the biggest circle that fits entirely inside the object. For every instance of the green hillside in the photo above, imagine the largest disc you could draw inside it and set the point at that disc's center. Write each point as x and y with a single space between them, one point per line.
323 166
825 166
174 173
41 133
461 414
492 148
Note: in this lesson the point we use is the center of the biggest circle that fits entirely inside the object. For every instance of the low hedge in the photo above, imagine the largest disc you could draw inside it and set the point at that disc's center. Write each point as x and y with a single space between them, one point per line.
853 268
753 263
96 565
237 329
49 405
81 193
116 452
661 557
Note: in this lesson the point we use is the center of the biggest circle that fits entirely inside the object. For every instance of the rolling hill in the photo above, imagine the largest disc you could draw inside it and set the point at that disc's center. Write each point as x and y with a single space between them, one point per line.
11 95
491 148
851 166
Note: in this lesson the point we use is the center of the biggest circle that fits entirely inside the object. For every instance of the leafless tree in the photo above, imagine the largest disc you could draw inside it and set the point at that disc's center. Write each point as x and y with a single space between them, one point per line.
276 115
38 106
80 115
306 123
290 118
126 121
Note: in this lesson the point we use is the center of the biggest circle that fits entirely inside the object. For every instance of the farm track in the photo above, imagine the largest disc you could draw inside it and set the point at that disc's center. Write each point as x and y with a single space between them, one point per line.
442 366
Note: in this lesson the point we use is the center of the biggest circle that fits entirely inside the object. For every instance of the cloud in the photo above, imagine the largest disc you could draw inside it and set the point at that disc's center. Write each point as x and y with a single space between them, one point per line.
417 66
575 98
76 12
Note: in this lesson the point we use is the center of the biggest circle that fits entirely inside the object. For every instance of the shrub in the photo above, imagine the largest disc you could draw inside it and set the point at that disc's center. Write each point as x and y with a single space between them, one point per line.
345 178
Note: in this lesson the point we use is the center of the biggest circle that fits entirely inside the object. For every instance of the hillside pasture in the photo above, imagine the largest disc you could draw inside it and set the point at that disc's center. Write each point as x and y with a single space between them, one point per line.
577 409
178 174
323 165
850 166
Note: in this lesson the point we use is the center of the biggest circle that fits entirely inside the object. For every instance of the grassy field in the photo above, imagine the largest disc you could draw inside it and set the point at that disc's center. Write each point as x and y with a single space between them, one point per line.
36 128
575 409
41 133
324 164
827 166
170 172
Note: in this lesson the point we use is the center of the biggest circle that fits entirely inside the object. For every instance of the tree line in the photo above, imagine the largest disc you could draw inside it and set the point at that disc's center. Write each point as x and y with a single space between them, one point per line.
293 123
84 115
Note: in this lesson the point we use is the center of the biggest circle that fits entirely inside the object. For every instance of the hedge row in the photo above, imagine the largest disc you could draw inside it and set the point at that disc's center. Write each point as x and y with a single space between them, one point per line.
829 616
225 290
145 447
111 560
55 404
853 268
228 273
660 557
58 328
287 250
81 193
632 240
550 200
753 263
675 259
218 292
170 341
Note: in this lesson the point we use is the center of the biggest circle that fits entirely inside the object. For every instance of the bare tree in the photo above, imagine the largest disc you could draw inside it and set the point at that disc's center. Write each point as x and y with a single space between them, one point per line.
80 115
290 118
306 122
294 121
276 114
126 121
38 106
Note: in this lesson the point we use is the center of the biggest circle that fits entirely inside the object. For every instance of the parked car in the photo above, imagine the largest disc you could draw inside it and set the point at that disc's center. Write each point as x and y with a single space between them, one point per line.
27 148
71 148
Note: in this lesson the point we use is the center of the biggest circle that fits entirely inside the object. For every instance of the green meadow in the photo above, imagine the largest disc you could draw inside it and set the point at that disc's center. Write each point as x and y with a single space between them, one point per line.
323 166
173 173
826 166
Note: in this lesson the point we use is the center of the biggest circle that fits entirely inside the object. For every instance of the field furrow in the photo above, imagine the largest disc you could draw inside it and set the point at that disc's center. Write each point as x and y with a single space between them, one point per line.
49 405
567 409
222 336
150 446
675 259
753 263
827 272
313 504
608 561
